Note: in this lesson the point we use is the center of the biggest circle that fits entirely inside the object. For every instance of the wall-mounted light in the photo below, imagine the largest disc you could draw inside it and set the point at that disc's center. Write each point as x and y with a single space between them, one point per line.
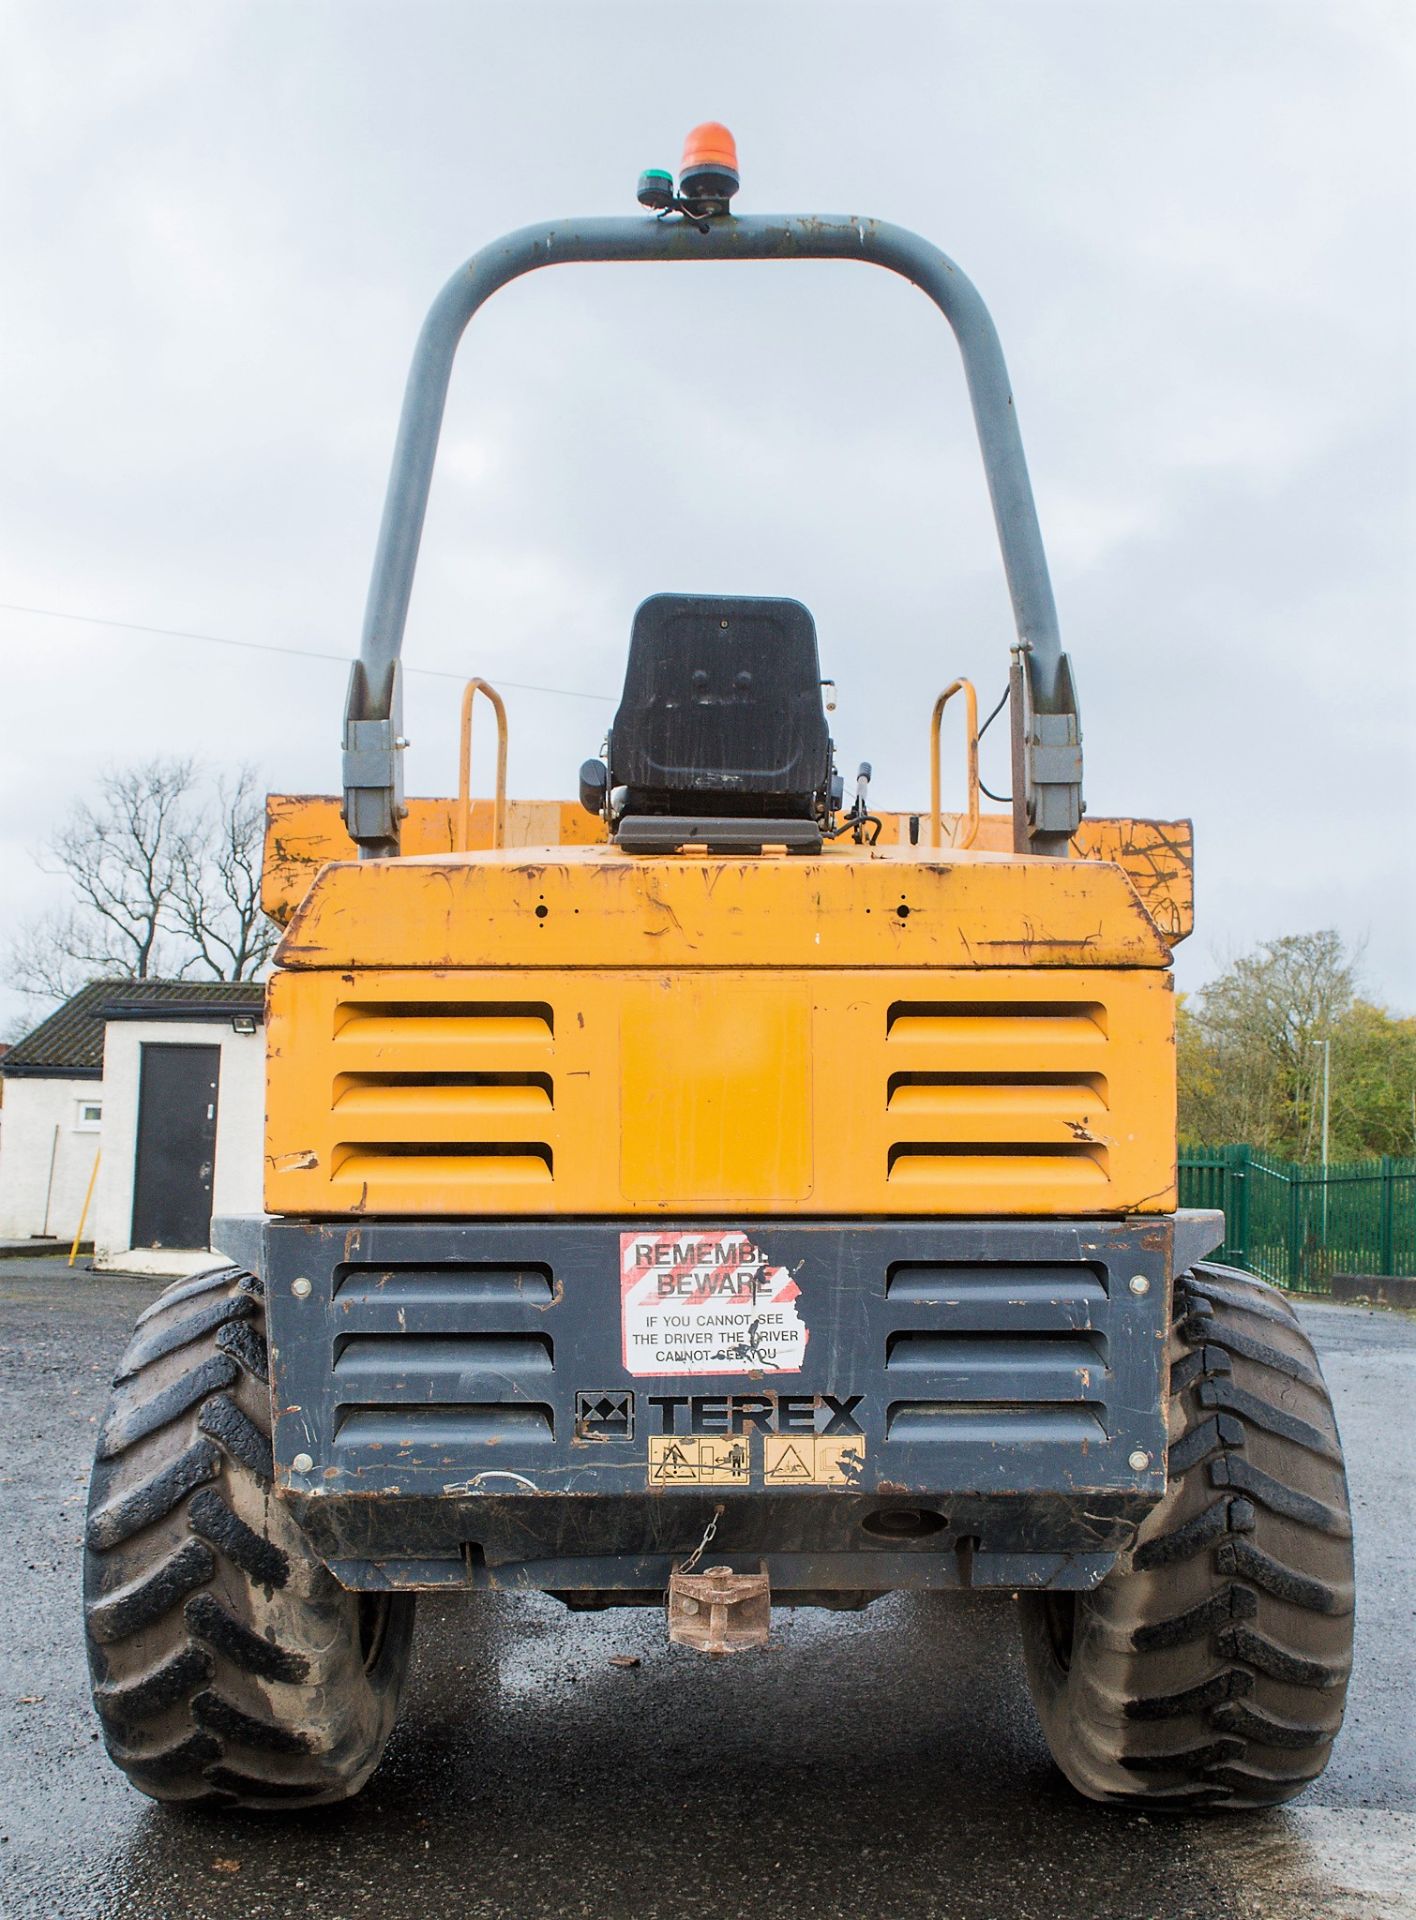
243 1023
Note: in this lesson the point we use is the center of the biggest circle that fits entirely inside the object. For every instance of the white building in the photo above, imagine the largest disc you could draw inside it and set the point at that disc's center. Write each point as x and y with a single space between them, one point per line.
53 1111
161 1082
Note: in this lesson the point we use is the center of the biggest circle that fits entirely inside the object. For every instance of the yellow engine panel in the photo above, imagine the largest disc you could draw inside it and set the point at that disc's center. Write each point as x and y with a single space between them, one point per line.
716 1090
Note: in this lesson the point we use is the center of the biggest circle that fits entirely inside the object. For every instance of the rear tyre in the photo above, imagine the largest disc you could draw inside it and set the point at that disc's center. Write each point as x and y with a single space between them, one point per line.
1210 1667
229 1667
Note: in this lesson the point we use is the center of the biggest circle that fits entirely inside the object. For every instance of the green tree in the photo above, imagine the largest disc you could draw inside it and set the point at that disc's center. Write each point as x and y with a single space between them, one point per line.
1251 1048
1373 1083
1198 1076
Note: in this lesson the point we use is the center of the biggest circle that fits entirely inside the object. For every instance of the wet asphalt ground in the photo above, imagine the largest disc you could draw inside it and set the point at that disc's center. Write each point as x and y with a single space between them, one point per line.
881 1764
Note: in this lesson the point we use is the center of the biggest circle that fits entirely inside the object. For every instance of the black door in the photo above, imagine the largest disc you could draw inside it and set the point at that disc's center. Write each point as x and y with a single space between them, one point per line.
176 1146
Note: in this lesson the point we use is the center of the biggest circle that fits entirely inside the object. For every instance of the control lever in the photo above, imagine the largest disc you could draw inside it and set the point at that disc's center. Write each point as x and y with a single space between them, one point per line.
860 817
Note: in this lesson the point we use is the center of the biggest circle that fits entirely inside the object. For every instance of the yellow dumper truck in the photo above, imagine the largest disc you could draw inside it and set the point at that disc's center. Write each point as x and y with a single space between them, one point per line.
708 1192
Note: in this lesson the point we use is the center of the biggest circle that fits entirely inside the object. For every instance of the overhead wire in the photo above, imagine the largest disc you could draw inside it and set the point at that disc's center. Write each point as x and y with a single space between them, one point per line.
343 659
271 646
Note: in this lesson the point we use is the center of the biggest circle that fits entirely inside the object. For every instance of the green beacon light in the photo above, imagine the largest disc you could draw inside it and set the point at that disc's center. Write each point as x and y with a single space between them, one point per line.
656 189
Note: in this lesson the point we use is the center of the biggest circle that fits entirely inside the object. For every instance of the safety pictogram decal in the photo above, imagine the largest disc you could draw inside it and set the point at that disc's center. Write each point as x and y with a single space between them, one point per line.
785 1460
697 1462
811 1460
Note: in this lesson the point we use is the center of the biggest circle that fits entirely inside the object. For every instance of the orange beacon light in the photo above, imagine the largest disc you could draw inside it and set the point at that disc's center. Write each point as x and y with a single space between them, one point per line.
709 168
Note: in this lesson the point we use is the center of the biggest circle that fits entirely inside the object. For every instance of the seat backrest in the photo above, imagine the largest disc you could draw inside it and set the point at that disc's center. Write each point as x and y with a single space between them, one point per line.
722 711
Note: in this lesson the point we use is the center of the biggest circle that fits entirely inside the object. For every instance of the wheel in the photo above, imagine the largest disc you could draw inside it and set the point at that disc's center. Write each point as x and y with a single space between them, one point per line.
1210 1667
229 1666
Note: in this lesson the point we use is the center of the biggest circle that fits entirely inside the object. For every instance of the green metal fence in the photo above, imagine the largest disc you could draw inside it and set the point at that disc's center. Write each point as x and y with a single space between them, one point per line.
1297 1226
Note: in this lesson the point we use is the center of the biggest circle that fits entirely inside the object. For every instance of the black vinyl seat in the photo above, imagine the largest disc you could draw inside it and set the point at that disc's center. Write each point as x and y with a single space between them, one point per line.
722 717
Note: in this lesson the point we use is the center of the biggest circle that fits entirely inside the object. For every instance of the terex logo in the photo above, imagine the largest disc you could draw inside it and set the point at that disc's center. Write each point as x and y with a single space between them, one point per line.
823 1413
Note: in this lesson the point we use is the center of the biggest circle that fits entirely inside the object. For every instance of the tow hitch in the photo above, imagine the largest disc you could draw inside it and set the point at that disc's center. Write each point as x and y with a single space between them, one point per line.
719 1611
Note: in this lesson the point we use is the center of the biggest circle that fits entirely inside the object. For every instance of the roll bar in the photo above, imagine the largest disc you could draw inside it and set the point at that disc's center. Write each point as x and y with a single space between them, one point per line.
1047 732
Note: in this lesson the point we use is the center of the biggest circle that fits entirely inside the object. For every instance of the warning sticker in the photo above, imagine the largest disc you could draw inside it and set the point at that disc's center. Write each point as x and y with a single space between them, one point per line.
788 1460
811 1460
698 1462
706 1303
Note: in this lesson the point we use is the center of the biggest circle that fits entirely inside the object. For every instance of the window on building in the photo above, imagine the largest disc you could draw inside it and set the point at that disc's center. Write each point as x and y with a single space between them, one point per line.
90 1118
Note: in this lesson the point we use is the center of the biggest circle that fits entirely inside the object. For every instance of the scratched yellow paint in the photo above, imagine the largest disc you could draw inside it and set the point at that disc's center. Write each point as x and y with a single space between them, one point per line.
597 907
798 1089
559 1028
304 832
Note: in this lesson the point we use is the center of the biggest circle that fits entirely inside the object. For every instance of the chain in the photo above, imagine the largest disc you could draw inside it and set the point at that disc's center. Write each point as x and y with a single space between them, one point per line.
708 1532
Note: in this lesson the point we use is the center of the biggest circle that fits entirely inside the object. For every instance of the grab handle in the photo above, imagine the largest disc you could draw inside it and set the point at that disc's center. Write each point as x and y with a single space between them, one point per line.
936 822
464 771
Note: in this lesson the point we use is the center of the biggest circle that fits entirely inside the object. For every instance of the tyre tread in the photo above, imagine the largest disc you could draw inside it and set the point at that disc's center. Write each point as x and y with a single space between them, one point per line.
1217 1670
221 1675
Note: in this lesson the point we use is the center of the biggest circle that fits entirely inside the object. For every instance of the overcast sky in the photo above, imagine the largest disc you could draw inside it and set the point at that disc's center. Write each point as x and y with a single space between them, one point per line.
221 224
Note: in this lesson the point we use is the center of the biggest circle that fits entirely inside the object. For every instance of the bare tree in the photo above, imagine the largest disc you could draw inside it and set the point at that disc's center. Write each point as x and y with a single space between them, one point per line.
165 879
216 900
121 855
42 958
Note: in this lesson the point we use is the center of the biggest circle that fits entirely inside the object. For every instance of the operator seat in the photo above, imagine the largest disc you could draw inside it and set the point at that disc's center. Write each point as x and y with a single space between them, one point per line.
721 731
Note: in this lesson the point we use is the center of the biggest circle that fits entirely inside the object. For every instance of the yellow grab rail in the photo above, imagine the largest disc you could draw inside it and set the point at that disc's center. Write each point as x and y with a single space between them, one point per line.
464 771
936 820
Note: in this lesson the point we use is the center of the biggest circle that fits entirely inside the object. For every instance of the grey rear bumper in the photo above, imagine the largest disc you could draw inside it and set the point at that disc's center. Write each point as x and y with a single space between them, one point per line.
458 1403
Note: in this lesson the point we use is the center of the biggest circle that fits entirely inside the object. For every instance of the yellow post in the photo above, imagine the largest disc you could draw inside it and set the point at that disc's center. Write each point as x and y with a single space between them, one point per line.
83 1211
464 775
936 824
